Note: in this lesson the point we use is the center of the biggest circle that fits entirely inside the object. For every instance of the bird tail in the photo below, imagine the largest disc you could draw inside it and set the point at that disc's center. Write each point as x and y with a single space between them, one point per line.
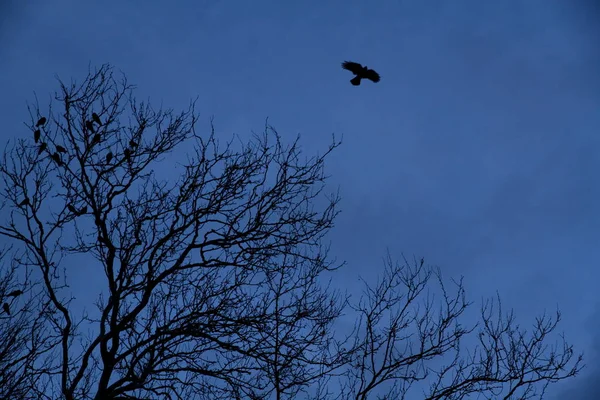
355 81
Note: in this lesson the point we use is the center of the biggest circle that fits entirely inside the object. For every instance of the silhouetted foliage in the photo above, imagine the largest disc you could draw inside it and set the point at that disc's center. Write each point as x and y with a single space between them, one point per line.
360 72
209 283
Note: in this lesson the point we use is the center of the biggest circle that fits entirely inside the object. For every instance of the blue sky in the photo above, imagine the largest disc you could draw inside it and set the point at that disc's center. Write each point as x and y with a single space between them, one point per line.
477 150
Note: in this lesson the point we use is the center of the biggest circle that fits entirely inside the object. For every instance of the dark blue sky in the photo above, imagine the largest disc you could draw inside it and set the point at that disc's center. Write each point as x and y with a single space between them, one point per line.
479 148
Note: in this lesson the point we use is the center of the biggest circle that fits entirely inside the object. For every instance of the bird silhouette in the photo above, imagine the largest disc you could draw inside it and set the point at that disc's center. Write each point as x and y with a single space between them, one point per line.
90 126
96 138
109 157
96 118
360 72
41 121
71 208
25 202
82 211
61 149
132 143
56 158
127 154
43 147
15 293
6 308
36 135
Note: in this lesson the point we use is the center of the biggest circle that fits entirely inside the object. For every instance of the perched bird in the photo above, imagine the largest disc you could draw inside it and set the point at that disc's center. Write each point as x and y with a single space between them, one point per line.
82 211
360 72
96 138
109 157
127 154
90 126
25 202
6 308
132 143
96 118
71 208
43 147
41 121
61 149
15 293
36 135
56 158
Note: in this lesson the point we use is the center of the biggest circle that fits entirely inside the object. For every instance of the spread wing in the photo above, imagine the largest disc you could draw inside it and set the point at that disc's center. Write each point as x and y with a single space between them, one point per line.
372 75
353 67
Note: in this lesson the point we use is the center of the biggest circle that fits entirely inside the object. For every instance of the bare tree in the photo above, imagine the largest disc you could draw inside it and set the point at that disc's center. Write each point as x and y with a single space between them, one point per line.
403 331
22 340
182 260
208 283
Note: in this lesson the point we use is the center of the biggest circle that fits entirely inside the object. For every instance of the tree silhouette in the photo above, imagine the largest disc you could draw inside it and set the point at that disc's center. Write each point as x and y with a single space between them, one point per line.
508 363
22 337
209 284
183 261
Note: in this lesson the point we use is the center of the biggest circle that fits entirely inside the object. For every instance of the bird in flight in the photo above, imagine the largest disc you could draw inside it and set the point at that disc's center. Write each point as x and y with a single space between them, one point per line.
360 72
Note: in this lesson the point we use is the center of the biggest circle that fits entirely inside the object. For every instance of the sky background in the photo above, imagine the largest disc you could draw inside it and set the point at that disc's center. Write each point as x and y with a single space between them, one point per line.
478 150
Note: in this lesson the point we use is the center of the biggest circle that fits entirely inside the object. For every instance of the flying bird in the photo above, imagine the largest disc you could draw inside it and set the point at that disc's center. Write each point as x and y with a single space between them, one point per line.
360 72
36 135
6 308
90 126
61 149
15 293
43 147
41 121
96 119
